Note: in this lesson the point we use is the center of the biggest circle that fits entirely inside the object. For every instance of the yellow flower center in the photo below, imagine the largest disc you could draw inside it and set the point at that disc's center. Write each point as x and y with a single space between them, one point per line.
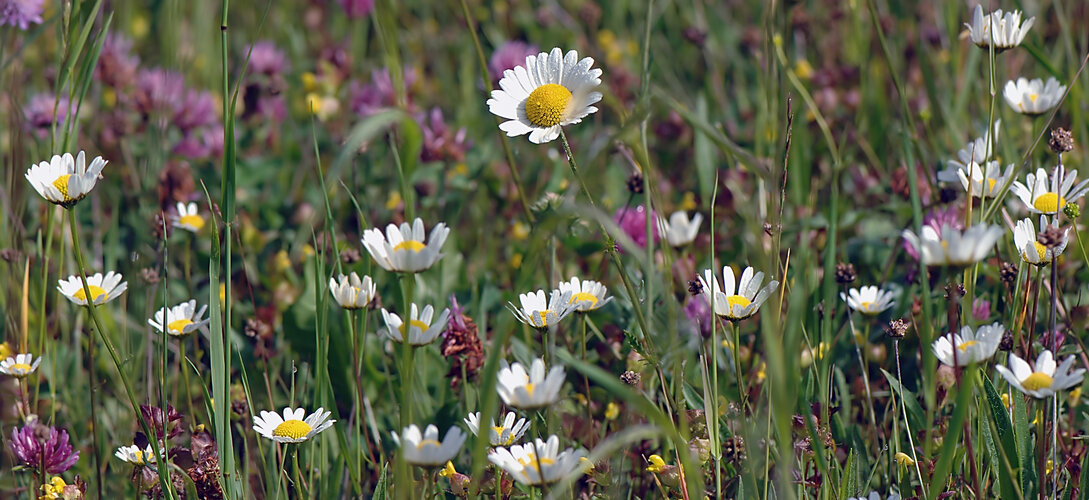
1032 97
412 245
20 368
62 185
194 221
427 442
546 105
1049 203
737 300
415 323
544 316
178 325
531 460
584 297
138 457
1037 381
499 432
96 292
529 388
965 345
294 429
865 305
1041 250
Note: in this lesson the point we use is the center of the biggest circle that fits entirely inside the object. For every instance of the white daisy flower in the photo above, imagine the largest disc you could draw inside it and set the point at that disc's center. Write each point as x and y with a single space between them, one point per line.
951 247
292 428
678 230
736 303
972 347
977 151
1029 247
180 320
539 462
540 313
532 389
425 449
869 300
421 330
20 365
552 90
1003 30
351 292
403 249
984 182
65 180
1033 97
501 435
188 218
134 455
1042 197
585 295
1043 381
103 288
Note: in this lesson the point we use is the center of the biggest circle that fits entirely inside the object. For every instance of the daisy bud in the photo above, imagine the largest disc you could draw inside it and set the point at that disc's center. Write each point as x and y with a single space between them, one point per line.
1071 210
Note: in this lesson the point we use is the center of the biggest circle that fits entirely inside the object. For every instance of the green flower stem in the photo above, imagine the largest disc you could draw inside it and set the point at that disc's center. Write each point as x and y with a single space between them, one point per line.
164 482
903 412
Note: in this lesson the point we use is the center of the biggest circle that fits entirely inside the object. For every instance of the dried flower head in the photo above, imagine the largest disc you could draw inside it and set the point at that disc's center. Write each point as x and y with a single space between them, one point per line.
1061 140
845 273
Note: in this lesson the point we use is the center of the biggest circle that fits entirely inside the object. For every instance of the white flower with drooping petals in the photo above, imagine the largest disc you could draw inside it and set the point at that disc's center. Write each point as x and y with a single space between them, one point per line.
134 455
1029 247
1002 29
679 231
181 320
1033 97
538 312
529 389
425 449
351 292
421 330
403 249
585 295
65 180
869 300
1043 380
552 90
971 347
951 247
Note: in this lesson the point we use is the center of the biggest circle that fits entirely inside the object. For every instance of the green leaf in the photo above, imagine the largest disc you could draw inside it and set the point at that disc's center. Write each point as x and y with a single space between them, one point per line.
1005 455
916 416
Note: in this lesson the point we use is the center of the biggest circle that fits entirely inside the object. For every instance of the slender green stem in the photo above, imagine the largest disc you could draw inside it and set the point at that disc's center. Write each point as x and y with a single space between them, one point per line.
164 482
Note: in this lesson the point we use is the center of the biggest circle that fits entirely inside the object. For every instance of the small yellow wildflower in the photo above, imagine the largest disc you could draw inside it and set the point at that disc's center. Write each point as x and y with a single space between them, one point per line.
903 459
612 411
657 465
5 350
309 81
54 488
586 465
803 69
282 261
307 251
394 201
516 261
1006 400
1075 396
519 231
688 202
762 372
449 470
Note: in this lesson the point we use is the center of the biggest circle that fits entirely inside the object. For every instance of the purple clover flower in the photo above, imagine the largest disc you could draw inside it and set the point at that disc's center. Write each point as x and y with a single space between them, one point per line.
117 65
266 59
21 13
633 221
509 55
40 117
439 142
36 445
